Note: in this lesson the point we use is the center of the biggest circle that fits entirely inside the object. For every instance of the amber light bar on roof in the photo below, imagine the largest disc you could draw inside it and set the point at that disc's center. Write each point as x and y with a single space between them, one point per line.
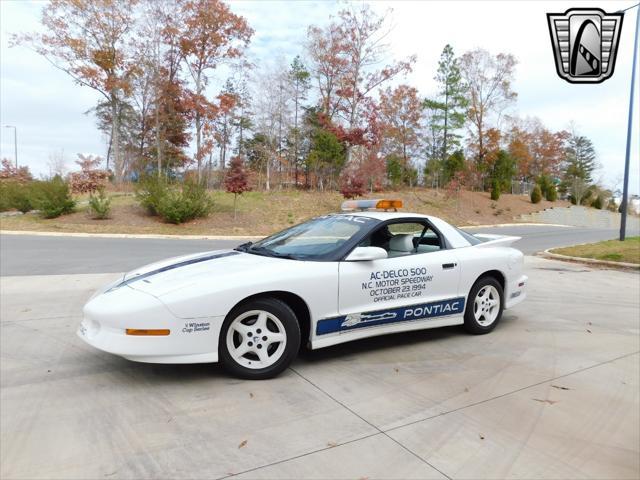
381 204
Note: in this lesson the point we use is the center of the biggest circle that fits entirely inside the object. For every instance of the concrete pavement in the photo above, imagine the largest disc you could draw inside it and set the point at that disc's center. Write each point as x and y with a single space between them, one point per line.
47 255
553 392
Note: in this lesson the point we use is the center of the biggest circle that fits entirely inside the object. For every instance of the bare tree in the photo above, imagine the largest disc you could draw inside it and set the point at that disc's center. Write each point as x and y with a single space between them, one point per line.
57 164
489 79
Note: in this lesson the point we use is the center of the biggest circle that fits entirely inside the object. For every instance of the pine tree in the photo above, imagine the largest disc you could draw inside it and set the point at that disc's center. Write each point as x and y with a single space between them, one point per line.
580 158
451 102
300 82
579 164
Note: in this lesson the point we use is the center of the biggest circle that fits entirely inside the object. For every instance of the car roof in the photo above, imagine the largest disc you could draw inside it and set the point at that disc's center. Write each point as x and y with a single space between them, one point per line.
384 215
451 233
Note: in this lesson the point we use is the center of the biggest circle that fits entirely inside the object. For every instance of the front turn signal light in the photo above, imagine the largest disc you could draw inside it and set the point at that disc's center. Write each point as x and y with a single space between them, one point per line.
147 333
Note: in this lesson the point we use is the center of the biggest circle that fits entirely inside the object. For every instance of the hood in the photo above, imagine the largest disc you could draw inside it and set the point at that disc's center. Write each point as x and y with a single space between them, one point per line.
166 276
175 262
489 240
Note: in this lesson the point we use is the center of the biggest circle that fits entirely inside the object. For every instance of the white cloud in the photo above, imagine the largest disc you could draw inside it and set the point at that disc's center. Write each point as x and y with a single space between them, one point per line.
48 108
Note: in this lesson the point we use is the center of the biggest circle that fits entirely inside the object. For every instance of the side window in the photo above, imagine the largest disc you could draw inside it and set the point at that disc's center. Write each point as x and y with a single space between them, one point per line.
404 238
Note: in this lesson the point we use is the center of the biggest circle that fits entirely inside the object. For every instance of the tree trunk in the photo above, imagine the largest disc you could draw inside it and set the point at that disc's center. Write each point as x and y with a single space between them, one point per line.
158 137
267 183
117 164
198 129
235 200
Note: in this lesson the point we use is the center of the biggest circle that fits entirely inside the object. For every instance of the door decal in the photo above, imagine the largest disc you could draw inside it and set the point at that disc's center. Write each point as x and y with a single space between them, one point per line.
409 313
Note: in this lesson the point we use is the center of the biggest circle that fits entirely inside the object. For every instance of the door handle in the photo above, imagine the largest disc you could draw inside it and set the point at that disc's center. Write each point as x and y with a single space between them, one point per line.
448 266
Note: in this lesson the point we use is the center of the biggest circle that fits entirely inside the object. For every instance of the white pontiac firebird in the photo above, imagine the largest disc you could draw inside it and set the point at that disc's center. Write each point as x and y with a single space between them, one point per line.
330 280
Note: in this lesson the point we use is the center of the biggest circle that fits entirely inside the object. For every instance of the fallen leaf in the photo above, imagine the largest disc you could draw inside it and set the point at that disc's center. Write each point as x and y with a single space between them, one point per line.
466 389
588 330
243 443
559 387
250 395
397 370
332 444
481 436
550 402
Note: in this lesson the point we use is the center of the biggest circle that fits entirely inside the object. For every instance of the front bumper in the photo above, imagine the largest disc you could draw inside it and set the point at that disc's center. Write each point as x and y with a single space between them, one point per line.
516 292
107 316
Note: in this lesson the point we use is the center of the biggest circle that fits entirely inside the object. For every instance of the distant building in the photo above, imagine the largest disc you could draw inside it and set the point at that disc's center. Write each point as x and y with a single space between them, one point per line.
634 203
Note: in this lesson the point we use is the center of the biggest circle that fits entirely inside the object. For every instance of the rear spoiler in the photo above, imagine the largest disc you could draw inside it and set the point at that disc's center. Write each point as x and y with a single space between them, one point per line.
489 240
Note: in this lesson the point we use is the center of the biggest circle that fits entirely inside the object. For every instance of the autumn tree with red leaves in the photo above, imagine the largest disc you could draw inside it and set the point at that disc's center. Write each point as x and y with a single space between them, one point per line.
211 34
90 41
346 57
236 180
8 171
90 177
352 185
400 116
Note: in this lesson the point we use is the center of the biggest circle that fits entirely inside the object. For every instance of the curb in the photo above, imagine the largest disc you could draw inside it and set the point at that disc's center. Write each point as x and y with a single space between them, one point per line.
519 225
127 235
589 261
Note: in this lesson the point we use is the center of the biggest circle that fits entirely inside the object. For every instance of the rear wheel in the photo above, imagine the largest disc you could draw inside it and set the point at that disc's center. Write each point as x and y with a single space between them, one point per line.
484 306
259 339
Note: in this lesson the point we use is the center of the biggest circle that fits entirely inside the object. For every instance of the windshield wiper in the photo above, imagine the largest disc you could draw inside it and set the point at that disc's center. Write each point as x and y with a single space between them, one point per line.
267 252
243 247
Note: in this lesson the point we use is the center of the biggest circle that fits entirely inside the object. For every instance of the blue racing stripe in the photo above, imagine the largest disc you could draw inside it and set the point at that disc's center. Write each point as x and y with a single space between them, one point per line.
172 267
397 315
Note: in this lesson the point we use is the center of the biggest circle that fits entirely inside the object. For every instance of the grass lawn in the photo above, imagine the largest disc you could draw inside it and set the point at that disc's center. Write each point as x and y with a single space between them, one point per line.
612 250
263 213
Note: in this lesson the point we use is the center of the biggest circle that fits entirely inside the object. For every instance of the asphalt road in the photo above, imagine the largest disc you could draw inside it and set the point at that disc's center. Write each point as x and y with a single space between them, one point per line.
55 255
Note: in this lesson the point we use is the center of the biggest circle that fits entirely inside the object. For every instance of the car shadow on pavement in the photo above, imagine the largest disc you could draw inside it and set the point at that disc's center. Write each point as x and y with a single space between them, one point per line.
381 343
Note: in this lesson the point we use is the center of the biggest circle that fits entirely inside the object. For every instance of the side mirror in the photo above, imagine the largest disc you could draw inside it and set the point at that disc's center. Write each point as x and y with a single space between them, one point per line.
363 254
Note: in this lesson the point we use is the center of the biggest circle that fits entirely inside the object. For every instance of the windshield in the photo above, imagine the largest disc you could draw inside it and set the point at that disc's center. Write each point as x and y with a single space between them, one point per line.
312 240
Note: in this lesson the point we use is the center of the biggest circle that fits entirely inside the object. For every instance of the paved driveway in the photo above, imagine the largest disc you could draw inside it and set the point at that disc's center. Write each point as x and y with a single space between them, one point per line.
553 392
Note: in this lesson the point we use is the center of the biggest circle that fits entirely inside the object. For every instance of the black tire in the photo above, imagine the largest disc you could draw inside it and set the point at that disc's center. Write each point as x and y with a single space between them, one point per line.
291 326
472 325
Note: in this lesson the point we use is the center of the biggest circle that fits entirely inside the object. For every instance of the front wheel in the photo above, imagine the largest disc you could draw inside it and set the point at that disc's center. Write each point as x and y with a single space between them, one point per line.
484 306
259 339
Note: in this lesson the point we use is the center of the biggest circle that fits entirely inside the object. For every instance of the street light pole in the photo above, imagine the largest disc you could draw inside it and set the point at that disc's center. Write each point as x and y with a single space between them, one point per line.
15 142
625 188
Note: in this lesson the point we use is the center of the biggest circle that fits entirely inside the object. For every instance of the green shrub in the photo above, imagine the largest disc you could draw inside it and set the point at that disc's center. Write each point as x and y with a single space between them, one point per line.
100 205
536 194
15 195
551 194
178 206
546 184
52 197
495 190
150 192
598 202
5 201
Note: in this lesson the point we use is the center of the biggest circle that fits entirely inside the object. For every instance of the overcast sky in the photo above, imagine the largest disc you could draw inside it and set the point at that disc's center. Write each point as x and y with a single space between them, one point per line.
49 109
